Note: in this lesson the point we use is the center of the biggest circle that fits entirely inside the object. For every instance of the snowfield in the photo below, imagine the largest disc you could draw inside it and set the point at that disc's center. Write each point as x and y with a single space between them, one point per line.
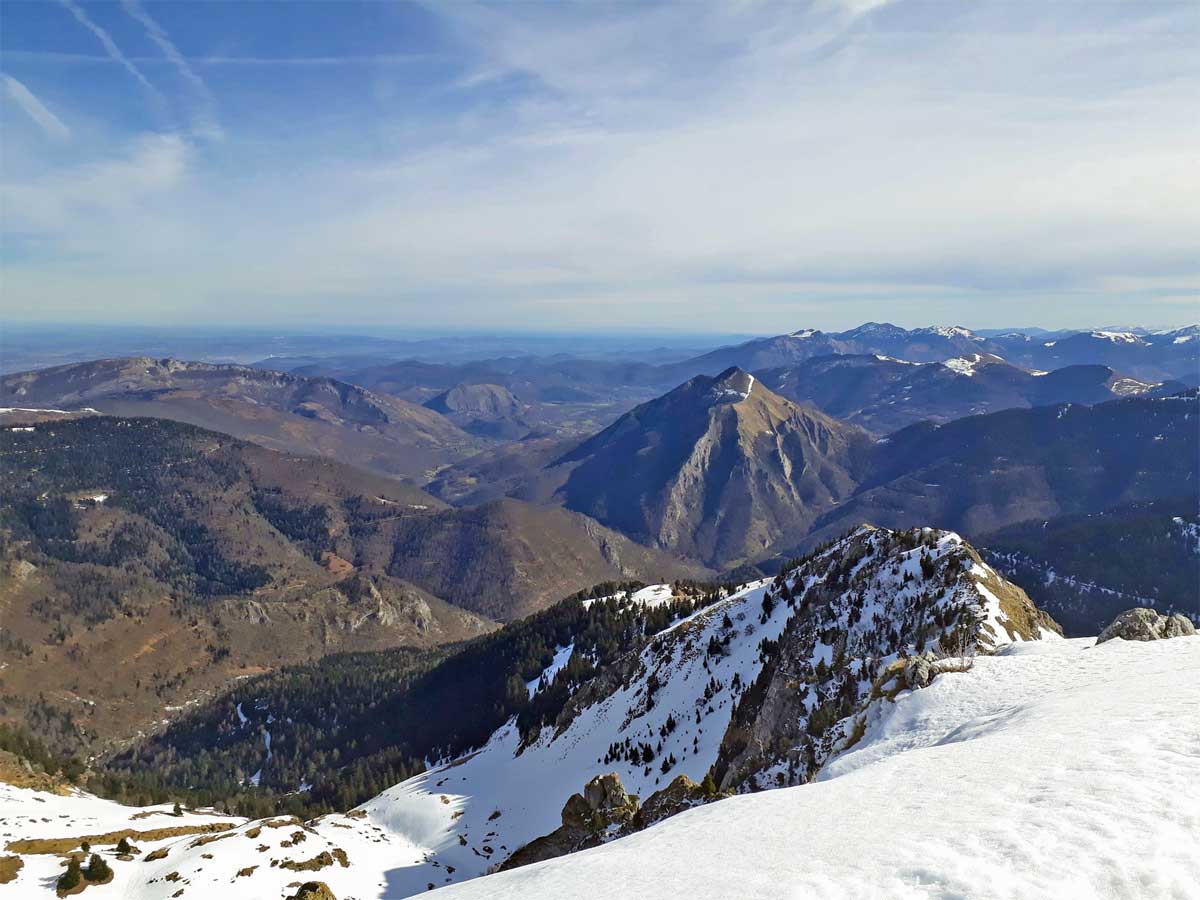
1053 769
27 814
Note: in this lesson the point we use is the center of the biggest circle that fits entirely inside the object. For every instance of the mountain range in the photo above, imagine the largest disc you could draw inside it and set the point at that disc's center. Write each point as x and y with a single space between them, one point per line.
149 564
1147 356
311 416
883 394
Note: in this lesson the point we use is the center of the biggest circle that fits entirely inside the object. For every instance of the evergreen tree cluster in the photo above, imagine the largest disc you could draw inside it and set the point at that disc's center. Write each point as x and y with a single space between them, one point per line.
351 725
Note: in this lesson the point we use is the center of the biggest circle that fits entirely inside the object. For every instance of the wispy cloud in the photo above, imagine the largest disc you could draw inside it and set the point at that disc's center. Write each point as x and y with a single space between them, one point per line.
206 119
365 59
739 163
93 197
110 46
35 108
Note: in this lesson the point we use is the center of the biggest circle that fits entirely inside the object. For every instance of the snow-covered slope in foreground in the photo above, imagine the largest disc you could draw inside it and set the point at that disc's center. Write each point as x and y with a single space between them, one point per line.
1053 769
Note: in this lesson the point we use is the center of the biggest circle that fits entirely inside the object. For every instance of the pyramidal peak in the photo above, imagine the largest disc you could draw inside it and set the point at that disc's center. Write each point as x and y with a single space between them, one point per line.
732 386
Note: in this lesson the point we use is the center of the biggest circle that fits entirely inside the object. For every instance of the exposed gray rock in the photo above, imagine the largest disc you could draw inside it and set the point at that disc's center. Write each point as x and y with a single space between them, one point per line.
603 807
681 794
919 671
604 802
1141 624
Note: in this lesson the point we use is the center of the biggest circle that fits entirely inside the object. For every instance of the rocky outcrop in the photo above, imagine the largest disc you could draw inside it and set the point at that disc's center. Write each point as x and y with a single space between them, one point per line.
605 811
919 671
1141 624
313 890
604 808
876 613
681 794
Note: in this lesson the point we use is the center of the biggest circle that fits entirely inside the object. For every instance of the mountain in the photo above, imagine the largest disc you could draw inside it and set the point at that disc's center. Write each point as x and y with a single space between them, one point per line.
648 685
883 394
1147 356
882 821
916 345
506 559
982 473
718 469
310 416
145 563
1085 569
1150 357
486 410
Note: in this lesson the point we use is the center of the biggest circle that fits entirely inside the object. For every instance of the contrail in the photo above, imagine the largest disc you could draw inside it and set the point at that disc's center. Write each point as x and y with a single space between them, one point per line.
35 108
207 120
109 45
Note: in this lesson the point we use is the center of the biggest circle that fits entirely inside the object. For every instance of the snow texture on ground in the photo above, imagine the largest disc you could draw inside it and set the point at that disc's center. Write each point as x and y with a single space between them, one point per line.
1053 769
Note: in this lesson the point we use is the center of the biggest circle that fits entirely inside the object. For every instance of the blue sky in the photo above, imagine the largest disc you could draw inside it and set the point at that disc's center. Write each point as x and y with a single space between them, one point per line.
735 166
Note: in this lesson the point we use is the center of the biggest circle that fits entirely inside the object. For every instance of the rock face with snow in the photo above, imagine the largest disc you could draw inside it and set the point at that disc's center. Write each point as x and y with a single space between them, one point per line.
976 761
1143 624
876 601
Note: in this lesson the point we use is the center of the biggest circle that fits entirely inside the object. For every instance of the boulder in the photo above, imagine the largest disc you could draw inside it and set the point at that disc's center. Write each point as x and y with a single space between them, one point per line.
313 890
604 807
919 671
1143 624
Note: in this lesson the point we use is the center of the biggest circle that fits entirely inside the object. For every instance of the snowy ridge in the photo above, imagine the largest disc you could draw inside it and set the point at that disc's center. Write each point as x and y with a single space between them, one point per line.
960 789
758 688
1119 337
867 603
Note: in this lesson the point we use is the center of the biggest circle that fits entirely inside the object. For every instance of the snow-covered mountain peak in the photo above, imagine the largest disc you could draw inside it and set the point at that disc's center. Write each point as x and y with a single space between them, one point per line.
950 331
732 386
1119 337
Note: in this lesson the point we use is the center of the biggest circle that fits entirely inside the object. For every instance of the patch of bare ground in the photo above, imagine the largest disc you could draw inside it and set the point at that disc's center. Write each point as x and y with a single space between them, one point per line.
67 844
9 867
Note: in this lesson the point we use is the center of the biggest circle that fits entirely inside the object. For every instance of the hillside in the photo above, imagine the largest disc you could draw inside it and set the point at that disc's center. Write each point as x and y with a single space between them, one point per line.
982 473
883 394
719 469
947 793
146 562
1150 356
309 416
517 469
506 559
1084 569
486 410
688 696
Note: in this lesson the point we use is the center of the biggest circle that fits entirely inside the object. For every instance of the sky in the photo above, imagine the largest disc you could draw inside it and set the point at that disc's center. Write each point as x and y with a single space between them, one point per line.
731 166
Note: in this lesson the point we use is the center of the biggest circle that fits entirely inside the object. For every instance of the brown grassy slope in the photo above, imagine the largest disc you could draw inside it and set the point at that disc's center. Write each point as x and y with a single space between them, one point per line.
309 416
507 558
110 624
